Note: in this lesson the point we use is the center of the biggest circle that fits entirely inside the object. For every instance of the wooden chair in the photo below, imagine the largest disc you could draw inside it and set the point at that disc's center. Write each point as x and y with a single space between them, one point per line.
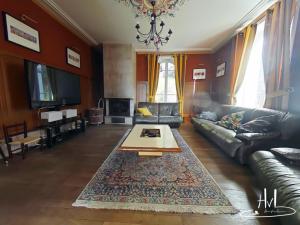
2 154
15 144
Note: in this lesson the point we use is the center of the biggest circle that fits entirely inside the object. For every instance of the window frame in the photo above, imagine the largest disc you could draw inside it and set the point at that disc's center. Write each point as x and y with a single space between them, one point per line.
166 60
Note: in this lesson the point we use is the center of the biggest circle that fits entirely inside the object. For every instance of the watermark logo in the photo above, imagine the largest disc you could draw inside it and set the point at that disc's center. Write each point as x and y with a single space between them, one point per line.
268 208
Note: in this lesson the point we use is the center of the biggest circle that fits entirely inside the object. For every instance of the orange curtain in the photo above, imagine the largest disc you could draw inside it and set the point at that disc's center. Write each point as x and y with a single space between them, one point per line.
153 75
277 53
180 71
249 35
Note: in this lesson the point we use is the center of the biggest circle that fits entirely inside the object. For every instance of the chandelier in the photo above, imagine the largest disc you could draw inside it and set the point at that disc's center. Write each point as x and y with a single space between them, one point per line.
154 9
153 35
161 7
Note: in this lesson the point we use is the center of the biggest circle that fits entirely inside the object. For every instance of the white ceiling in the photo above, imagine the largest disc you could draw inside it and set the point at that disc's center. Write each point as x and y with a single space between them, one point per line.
197 25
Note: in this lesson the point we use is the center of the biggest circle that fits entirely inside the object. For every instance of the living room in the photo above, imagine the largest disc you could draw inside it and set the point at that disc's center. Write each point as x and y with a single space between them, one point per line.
149 112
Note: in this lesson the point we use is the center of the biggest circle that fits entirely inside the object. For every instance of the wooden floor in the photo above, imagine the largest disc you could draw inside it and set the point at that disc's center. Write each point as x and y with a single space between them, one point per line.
40 189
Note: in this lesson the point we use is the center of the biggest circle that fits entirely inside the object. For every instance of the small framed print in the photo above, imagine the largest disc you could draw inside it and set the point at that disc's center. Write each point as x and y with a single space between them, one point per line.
199 74
73 58
221 70
21 34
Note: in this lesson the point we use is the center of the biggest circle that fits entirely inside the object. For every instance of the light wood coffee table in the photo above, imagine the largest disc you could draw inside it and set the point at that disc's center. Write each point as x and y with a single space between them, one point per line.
141 140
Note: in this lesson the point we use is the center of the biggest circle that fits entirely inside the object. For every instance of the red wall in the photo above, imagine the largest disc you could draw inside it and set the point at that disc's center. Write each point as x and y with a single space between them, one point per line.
194 61
54 38
141 67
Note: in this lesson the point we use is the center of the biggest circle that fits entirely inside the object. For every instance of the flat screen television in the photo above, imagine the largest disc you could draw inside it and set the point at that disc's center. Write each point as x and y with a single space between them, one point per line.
49 87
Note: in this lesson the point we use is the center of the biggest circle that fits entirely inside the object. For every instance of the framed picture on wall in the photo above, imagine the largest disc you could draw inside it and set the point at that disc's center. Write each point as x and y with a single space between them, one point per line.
73 58
21 34
199 74
221 69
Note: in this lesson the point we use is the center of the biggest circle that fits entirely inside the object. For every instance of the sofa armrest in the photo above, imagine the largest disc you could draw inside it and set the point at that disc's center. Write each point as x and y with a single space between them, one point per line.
257 136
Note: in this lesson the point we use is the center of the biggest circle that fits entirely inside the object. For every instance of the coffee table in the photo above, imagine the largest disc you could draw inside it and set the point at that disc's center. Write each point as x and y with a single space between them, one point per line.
150 140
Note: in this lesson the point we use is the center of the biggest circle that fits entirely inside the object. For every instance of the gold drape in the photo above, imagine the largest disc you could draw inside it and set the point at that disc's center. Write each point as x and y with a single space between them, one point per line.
236 57
276 54
180 71
153 75
249 35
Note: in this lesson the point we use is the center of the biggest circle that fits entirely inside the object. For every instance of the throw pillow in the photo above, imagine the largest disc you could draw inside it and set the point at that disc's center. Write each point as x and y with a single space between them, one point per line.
212 116
144 111
262 124
232 121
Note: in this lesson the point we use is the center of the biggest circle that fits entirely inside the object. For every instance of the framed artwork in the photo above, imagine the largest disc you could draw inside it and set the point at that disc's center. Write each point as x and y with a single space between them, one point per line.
73 58
199 74
21 34
221 70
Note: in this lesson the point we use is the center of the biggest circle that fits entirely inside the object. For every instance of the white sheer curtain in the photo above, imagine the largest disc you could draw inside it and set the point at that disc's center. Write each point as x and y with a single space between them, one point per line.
252 92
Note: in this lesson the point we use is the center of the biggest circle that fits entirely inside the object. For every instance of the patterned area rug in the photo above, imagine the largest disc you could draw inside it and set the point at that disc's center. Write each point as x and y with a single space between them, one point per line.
175 182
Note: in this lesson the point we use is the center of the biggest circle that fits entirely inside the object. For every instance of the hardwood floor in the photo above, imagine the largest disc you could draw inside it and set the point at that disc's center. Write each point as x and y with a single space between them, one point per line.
40 189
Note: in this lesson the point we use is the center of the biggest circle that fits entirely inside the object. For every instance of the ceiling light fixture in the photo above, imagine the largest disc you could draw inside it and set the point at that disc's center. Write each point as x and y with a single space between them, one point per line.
154 9
153 35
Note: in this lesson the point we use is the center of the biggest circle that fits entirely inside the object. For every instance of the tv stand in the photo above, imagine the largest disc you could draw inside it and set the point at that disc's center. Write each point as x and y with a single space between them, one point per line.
57 131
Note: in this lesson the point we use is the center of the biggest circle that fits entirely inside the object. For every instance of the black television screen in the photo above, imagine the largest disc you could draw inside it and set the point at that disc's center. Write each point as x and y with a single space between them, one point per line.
50 87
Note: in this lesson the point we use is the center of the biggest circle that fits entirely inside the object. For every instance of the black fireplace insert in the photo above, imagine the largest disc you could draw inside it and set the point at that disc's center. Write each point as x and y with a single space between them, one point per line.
119 107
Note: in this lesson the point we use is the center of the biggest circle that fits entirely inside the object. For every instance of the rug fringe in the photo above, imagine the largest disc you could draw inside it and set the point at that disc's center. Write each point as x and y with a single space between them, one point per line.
157 207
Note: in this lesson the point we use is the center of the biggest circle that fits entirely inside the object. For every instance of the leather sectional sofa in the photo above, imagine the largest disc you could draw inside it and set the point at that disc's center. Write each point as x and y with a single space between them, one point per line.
272 173
241 146
162 113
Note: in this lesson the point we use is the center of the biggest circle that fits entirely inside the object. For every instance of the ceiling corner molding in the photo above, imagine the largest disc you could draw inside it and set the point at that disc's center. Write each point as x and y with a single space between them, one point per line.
262 6
62 16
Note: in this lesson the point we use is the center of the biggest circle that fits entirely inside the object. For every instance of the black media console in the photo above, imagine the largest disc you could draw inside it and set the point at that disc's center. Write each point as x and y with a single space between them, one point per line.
60 130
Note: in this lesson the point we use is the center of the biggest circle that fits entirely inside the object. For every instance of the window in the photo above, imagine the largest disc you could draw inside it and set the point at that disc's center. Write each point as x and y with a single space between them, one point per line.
252 92
166 89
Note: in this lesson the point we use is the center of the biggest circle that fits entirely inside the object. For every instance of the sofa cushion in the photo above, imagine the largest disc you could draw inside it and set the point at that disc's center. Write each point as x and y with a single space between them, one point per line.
175 110
165 109
262 124
205 124
207 115
290 127
170 119
152 107
144 111
146 119
232 121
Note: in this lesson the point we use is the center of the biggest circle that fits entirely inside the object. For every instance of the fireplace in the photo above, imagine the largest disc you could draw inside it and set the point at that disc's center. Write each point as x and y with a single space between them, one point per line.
119 110
119 107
